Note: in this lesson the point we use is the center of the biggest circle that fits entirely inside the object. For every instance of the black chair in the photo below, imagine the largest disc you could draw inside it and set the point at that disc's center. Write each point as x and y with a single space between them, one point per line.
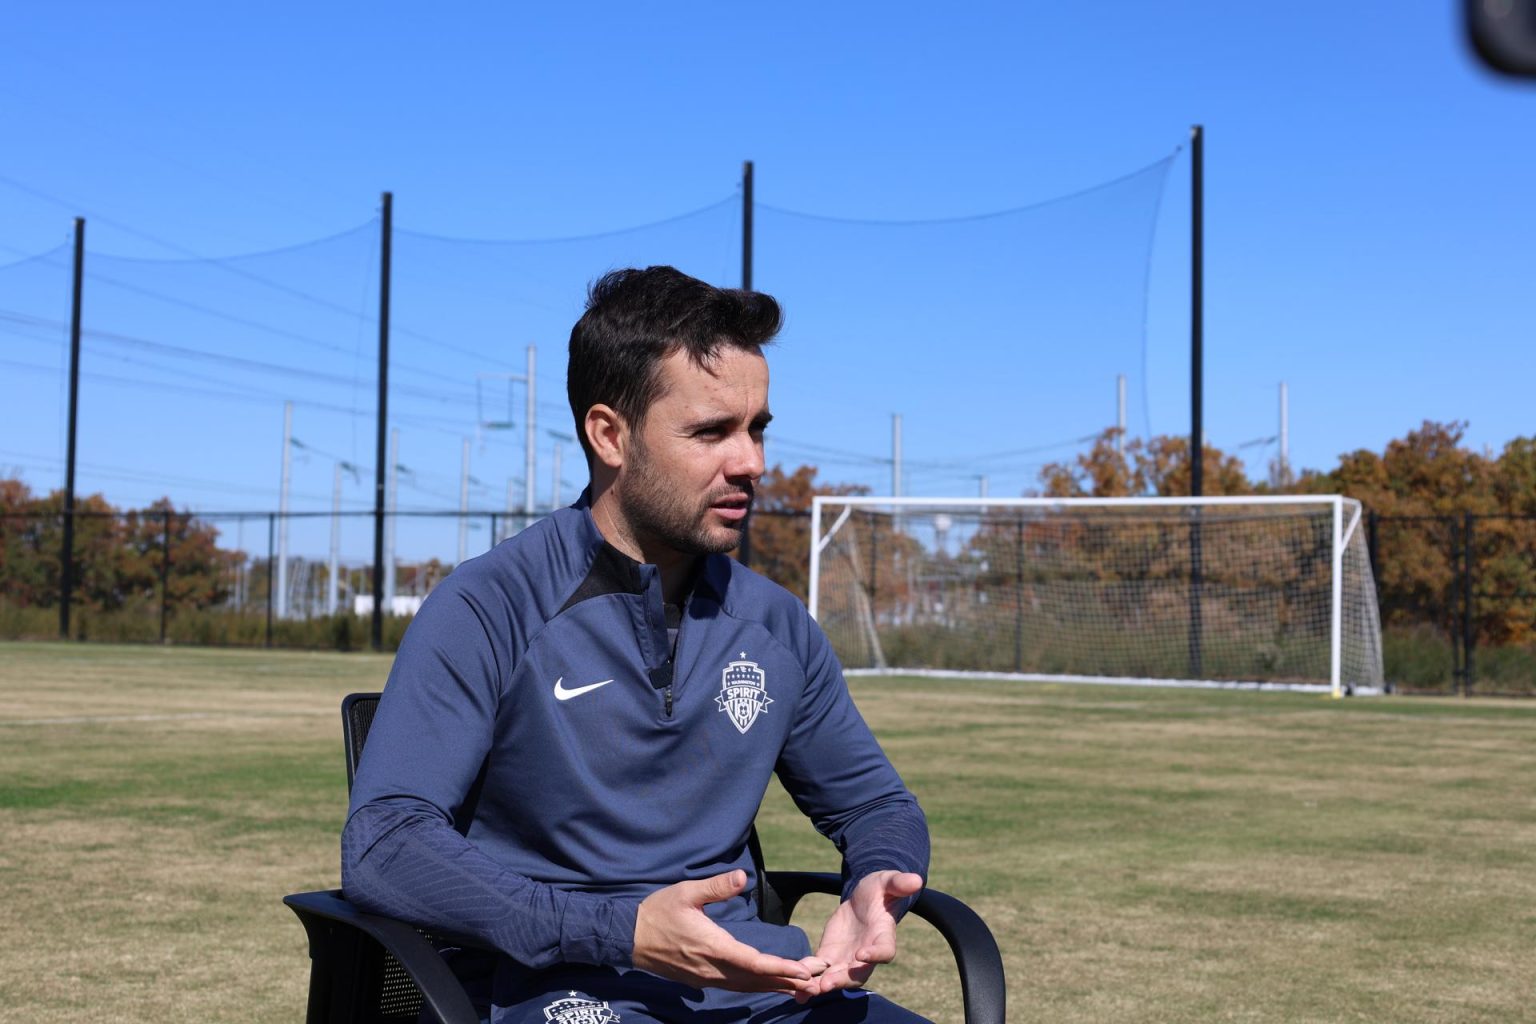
366 969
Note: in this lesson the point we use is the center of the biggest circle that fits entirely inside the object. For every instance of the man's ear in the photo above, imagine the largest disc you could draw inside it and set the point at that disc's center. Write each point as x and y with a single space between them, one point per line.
608 434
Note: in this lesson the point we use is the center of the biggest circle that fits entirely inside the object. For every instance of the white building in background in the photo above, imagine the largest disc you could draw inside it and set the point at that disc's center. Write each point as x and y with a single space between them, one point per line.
400 604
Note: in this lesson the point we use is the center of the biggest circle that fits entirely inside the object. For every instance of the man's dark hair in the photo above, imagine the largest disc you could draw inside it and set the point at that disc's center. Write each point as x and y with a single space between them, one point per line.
635 318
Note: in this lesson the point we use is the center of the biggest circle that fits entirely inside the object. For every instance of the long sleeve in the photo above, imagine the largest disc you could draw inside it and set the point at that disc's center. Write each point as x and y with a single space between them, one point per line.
404 850
840 778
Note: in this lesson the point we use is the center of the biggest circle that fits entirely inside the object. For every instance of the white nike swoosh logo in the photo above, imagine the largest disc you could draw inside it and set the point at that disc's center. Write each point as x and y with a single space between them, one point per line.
561 693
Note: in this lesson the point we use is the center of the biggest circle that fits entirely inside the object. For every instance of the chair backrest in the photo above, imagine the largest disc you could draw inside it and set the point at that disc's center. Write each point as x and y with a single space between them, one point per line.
358 709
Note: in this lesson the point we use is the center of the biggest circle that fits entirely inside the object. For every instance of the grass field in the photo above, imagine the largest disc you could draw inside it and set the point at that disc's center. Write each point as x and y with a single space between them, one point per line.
1141 855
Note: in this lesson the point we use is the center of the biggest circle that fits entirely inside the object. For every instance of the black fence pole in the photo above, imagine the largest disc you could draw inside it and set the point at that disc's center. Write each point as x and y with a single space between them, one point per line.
1197 312
746 226
1468 634
1196 385
165 573
67 555
1196 581
271 568
385 236
744 549
493 531
1018 599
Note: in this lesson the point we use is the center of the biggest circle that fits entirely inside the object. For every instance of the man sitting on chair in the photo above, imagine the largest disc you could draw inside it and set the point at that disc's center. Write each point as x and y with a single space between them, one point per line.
581 723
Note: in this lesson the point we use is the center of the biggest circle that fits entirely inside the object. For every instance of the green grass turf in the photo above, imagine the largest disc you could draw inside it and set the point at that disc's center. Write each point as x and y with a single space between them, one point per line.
1141 855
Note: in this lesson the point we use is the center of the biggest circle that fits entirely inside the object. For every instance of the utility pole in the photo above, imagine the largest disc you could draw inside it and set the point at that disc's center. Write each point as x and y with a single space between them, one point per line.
1120 415
1285 436
511 505
554 486
332 585
464 505
528 440
530 431
895 454
282 513
67 555
981 486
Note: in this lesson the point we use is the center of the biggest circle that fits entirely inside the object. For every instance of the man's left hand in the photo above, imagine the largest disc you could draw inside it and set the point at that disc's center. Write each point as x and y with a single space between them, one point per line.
861 933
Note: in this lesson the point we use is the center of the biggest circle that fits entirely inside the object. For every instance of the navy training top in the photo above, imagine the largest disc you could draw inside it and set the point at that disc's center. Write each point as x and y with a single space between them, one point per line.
541 760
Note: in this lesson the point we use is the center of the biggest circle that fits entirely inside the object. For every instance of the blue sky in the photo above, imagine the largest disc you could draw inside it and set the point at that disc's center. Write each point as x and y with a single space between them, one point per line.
1369 236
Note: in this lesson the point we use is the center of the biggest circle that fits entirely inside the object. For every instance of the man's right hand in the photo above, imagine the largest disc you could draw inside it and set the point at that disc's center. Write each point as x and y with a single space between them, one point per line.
675 939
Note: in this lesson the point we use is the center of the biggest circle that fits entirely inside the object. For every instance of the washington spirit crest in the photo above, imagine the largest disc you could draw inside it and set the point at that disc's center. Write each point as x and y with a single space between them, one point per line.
743 693
578 1009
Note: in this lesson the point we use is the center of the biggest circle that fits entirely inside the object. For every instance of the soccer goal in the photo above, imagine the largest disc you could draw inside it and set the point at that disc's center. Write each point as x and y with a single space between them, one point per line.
1272 592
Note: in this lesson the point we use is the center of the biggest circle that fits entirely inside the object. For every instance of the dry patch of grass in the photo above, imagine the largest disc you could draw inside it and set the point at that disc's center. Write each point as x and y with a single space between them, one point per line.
156 806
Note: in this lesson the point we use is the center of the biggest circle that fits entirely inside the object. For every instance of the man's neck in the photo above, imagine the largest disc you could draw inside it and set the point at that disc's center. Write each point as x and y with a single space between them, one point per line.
677 568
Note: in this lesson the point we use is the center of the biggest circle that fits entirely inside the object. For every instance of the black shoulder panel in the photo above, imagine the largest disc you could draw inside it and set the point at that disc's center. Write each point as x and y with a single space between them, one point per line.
612 572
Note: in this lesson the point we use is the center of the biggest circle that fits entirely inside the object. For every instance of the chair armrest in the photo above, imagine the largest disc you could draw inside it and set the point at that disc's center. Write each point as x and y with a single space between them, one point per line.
334 927
983 986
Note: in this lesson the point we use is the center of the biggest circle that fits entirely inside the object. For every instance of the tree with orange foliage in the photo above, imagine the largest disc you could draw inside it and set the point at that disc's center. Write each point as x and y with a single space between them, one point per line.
1159 467
781 525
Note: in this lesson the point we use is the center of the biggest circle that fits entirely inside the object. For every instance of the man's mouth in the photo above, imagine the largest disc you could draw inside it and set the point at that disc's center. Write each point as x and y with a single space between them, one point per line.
733 507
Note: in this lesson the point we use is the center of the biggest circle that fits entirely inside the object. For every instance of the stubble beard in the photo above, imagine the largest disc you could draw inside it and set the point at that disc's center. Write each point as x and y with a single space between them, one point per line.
654 508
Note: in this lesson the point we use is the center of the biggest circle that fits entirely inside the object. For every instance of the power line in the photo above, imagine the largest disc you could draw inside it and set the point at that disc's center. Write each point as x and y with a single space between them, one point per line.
180 351
452 427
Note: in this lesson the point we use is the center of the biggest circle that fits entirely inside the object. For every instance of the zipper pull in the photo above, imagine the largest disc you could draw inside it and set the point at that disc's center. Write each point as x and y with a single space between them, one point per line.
661 679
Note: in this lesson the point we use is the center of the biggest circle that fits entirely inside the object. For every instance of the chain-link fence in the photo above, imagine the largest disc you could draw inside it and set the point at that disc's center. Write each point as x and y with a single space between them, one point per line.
301 579
1457 592
1458 601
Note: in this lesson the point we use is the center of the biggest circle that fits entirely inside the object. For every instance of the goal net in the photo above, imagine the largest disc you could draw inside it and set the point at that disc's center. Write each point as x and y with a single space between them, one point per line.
1262 591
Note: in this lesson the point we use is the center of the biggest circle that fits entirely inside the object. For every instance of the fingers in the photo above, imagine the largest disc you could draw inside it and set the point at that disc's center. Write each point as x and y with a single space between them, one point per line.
844 976
714 888
879 947
766 964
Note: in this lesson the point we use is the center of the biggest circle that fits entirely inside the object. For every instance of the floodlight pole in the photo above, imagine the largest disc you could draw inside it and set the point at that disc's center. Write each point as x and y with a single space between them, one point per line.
380 457
1196 386
67 555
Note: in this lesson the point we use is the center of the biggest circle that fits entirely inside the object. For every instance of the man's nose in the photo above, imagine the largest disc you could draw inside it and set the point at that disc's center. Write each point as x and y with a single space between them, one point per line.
746 458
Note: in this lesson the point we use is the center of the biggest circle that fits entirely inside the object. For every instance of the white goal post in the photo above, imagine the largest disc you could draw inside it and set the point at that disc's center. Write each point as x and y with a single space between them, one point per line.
1271 591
